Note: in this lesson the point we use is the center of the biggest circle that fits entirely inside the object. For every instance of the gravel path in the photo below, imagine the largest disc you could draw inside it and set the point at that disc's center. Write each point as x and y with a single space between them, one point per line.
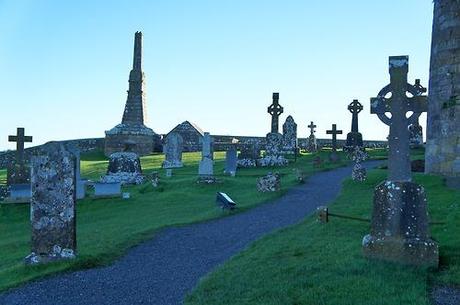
443 295
164 269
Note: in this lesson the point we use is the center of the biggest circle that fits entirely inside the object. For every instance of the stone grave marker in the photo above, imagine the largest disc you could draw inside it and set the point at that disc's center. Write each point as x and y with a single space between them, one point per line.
312 146
206 165
125 168
231 158
107 190
173 151
18 172
415 135
334 156
224 201
290 136
399 227
19 193
354 138
52 208
249 154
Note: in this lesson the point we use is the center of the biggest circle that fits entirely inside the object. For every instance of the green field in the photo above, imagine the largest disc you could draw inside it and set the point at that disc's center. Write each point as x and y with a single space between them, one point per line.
106 228
314 263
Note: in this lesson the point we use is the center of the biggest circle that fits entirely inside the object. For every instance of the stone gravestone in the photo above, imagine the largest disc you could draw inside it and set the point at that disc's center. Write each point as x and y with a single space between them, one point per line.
206 166
269 183
358 155
173 151
18 172
354 138
52 208
415 135
124 168
106 189
334 156
399 227
290 136
274 140
312 146
231 158
248 156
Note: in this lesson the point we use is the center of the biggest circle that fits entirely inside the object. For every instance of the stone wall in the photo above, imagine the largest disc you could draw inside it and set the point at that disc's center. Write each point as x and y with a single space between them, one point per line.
85 145
443 127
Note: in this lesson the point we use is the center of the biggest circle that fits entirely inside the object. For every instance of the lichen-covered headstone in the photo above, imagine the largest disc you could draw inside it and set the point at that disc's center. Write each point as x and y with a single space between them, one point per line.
124 168
206 165
173 151
399 227
358 155
290 136
415 135
249 154
273 151
52 208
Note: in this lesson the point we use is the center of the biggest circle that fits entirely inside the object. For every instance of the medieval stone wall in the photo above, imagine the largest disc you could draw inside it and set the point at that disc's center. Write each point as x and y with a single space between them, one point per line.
443 128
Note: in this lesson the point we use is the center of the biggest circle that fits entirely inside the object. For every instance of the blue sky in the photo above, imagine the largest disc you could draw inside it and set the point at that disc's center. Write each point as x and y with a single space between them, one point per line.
64 65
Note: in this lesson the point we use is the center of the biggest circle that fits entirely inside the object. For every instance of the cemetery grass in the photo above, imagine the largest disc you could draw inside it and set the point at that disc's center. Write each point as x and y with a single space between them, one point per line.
106 228
314 263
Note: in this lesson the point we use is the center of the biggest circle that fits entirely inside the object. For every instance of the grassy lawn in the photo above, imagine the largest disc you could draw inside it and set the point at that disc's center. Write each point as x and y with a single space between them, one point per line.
106 228
313 263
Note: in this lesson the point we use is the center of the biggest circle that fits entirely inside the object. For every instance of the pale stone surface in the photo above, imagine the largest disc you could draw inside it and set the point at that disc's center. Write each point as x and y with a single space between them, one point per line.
231 158
173 151
52 207
206 165
269 183
273 151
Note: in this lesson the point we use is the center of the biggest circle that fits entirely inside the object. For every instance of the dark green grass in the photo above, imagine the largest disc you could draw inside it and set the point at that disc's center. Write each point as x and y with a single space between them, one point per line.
106 228
313 263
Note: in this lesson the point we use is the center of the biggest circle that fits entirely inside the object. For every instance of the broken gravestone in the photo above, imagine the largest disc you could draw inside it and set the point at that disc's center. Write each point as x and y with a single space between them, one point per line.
269 183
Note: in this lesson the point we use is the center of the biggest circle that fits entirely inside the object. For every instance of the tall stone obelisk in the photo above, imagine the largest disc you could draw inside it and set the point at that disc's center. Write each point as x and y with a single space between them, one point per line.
443 126
132 134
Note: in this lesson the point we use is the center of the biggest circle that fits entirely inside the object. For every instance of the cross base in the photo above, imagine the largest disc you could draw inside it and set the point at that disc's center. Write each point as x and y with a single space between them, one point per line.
399 228
354 139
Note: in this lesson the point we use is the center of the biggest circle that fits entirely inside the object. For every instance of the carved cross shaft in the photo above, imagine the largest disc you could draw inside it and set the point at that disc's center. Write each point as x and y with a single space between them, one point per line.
398 105
275 110
312 127
334 132
355 108
20 139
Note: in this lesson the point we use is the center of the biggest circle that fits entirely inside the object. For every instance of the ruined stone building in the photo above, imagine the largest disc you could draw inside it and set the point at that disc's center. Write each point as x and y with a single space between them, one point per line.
443 126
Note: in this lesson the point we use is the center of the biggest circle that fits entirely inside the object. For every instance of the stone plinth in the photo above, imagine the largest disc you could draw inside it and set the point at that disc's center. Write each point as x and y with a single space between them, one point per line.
52 208
125 168
141 139
400 226
354 139
273 151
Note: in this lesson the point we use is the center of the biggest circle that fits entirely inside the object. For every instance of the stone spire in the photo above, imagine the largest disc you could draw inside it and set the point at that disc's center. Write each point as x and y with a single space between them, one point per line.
135 108
443 120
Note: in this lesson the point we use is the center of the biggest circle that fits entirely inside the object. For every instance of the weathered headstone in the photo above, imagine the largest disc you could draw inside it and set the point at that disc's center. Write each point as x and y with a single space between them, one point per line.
358 155
312 146
18 172
354 138
173 151
290 136
125 168
231 158
415 135
206 165
249 154
399 227
52 208
334 156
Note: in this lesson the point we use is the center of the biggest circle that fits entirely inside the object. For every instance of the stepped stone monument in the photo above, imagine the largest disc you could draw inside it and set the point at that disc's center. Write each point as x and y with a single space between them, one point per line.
124 168
354 138
399 227
443 119
334 156
290 136
52 208
173 151
274 140
132 130
18 172
312 146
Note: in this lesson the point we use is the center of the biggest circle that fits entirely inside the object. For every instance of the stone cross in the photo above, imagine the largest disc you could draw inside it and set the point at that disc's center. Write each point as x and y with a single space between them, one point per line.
398 105
334 132
275 110
355 108
312 128
20 138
